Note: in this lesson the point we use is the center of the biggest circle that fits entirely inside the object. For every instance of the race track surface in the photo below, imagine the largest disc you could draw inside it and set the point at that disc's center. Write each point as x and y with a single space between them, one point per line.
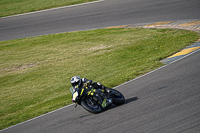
97 15
164 101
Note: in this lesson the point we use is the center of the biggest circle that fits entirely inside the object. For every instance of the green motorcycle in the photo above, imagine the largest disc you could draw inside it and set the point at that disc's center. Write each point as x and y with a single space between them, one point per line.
94 100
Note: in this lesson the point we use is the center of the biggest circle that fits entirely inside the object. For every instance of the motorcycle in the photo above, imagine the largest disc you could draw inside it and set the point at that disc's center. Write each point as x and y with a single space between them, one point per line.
91 99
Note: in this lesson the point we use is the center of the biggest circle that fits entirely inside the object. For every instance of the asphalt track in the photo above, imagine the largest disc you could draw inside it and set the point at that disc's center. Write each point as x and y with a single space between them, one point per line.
97 15
163 101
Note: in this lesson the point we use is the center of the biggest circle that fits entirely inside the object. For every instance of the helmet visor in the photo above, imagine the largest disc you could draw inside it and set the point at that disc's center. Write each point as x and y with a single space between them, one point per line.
75 84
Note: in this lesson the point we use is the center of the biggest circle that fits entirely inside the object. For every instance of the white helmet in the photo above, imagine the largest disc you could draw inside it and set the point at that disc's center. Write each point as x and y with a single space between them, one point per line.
76 80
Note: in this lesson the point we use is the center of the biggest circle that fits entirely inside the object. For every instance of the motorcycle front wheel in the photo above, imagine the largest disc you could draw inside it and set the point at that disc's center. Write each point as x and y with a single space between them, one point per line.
91 105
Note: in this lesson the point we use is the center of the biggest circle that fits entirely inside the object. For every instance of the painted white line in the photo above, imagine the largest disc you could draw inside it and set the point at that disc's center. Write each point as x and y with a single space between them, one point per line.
37 117
157 69
113 88
54 9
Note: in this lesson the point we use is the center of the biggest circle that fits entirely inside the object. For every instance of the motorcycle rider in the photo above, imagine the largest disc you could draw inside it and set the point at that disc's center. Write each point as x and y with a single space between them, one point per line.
77 82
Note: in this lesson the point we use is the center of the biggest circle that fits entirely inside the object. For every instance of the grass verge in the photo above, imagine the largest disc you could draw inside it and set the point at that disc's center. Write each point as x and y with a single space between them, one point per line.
13 7
35 72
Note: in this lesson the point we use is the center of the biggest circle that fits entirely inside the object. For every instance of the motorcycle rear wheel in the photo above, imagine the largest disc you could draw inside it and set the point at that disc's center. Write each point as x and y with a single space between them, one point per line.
91 105
118 98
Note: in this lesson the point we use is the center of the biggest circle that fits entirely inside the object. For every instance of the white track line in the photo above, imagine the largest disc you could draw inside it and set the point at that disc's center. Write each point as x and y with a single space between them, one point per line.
53 9
159 68
37 117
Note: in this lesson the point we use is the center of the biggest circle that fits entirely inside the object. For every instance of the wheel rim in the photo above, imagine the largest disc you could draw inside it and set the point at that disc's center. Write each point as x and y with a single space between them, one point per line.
92 104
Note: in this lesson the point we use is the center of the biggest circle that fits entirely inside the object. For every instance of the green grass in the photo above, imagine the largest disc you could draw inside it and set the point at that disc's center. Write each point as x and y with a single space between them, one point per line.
35 72
13 7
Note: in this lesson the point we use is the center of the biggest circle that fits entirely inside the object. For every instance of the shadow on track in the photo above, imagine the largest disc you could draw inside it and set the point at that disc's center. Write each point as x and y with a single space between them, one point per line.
131 100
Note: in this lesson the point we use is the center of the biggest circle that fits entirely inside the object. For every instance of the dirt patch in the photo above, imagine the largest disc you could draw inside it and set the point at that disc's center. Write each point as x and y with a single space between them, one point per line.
99 47
17 68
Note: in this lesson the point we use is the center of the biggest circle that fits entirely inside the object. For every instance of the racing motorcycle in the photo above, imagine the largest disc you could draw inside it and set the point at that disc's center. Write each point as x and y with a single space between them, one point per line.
91 99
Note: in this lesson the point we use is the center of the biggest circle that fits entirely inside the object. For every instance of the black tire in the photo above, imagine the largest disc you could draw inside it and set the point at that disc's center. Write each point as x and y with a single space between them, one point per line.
118 98
90 105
